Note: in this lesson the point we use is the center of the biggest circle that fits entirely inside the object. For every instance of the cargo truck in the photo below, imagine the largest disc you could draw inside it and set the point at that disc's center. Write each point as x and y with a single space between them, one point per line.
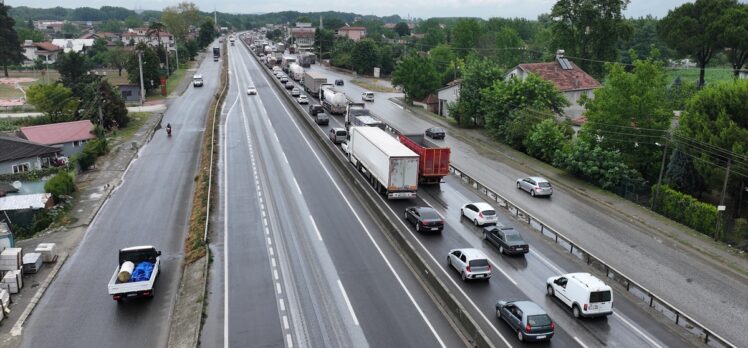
216 53
390 166
352 110
145 264
434 160
367 121
286 62
313 81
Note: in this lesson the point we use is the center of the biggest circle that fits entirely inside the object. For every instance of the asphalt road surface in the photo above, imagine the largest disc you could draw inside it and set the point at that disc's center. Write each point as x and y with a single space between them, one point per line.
708 293
150 207
302 262
524 278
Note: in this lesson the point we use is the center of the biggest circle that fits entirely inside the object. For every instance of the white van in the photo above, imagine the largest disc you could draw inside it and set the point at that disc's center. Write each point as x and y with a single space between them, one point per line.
367 96
587 295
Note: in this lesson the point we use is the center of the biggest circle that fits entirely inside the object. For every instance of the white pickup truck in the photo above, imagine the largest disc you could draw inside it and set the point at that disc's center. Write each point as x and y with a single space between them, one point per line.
146 255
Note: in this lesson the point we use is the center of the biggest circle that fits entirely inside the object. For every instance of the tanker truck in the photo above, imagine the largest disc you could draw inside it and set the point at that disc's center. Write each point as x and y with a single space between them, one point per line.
333 101
296 72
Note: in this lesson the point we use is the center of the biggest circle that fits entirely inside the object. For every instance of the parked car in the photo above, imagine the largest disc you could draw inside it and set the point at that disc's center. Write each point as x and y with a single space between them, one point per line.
435 133
527 319
289 85
278 74
424 219
470 263
251 90
480 213
339 82
507 239
295 92
284 79
321 118
586 295
303 99
536 186
315 108
367 96
337 135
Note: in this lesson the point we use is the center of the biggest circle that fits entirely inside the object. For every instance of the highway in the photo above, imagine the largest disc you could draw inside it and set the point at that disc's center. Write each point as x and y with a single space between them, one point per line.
521 277
706 291
151 206
300 262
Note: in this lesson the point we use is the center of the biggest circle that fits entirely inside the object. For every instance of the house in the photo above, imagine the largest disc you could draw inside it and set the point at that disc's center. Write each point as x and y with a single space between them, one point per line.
138 35
49 26
303 37
353 33
129 92
430 103
446 96
572 81
20 209
44 50
20 155
75 45
69 137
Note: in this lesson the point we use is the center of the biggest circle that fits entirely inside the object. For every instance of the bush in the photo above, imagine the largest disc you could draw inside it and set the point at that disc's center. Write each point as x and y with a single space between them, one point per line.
544 140
91 150
60 185
739 234
685 209
602 167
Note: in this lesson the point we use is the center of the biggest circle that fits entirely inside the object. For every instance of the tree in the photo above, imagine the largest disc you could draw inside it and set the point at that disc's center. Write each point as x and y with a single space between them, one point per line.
103 104
365 56
508 48
151 73
97 52
10 48
331 23
444 59
544 139
207 32
417 76
155 29
715 118
73 67
178 19
117 58
690 29
111 25
643 38
732 29
682 174
402 29
465 36
629 112
589 29
192 49
70 30
602 167
499 101
323 41
477 74
54 100
61 184
341 53
132 21
432 38
30 34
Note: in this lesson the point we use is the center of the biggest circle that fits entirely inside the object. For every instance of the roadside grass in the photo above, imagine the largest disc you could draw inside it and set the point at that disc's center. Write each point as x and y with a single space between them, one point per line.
373 87
9 92
137 119
173 82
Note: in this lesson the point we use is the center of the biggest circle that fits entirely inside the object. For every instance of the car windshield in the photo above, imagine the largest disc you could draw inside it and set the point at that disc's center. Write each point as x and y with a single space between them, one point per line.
544 184
539 320
489 212
437 130
514 237
340 133
429 214
600 296
479 263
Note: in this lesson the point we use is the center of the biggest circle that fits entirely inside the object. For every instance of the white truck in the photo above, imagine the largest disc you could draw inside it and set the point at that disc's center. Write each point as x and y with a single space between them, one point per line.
333 101
313 81
390 166
296 72
147 264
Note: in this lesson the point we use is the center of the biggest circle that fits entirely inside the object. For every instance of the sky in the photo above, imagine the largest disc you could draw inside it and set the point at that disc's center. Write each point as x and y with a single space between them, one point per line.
414 8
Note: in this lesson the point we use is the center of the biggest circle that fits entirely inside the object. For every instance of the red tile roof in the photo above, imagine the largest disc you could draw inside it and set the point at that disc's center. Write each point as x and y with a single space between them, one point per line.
352 28
47 46
58 133
565 80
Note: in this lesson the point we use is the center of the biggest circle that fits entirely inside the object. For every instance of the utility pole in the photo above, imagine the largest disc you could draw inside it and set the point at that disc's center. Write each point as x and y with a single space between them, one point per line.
659 179
168 71
142 85
176 49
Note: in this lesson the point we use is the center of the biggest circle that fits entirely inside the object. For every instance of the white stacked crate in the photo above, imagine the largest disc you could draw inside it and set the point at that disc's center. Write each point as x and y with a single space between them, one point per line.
12 281
11 259
48 252
32 262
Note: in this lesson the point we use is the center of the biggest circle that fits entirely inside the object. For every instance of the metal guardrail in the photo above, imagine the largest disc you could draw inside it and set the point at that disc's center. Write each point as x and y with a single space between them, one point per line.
668 310
212 142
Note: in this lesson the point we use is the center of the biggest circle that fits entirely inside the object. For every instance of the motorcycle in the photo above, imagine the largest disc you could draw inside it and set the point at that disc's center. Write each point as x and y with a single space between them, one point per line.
168 131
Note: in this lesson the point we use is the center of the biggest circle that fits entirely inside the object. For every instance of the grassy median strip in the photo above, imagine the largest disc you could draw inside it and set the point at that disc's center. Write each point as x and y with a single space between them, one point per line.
373 87
195 245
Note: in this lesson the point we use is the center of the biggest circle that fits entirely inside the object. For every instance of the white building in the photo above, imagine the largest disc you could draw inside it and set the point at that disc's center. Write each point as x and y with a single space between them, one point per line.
447 95
44 50
75 45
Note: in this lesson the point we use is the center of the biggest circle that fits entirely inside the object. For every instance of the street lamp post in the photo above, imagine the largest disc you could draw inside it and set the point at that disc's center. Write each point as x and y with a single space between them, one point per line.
142 84
659 179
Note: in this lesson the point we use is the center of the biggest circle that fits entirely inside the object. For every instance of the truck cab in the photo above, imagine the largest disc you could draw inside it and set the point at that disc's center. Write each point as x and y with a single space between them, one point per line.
197 80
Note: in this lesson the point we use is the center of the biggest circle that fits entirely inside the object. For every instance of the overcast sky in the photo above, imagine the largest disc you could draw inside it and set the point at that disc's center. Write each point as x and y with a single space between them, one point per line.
415 8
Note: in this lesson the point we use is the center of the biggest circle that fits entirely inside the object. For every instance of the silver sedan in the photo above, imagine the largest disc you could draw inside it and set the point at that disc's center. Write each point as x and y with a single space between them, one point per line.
536 186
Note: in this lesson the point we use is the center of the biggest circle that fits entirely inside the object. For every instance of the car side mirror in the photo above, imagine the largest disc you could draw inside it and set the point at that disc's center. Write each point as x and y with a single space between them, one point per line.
158 253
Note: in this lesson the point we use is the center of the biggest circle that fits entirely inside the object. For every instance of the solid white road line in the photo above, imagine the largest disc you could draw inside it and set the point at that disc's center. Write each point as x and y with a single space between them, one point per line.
580 342
642 334
314 224
348 302
297 185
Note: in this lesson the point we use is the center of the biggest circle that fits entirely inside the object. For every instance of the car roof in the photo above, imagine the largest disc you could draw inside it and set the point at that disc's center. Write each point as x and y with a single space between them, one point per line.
197 76
338 129
425 209
482 206
589 281
529 308
472 253
537 179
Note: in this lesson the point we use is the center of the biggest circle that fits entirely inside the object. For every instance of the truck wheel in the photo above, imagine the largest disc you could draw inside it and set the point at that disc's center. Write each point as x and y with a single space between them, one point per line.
575 310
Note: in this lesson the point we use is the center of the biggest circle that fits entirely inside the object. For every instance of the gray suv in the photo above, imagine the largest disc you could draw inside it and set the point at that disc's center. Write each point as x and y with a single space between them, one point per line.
527 319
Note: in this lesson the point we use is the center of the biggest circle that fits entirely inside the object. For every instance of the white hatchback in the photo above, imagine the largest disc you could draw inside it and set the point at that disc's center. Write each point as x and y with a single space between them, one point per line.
470 263
479 213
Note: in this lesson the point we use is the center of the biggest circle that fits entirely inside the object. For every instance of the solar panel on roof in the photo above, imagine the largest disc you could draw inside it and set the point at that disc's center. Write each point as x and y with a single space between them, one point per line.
565 64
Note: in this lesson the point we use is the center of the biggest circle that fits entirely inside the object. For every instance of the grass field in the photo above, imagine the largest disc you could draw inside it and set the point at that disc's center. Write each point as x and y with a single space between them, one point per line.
136 121
9 92
692 75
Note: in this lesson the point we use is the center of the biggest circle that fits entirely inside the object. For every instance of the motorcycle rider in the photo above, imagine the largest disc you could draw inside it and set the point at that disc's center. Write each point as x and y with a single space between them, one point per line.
168 128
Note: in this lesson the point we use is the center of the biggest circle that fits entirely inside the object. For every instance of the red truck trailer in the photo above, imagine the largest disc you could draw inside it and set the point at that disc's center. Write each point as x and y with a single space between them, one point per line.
433 163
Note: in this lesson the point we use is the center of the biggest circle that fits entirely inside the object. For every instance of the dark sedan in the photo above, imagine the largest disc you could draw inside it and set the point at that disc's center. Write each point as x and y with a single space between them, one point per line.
424 218
527 319
339 82
435 133
507 239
